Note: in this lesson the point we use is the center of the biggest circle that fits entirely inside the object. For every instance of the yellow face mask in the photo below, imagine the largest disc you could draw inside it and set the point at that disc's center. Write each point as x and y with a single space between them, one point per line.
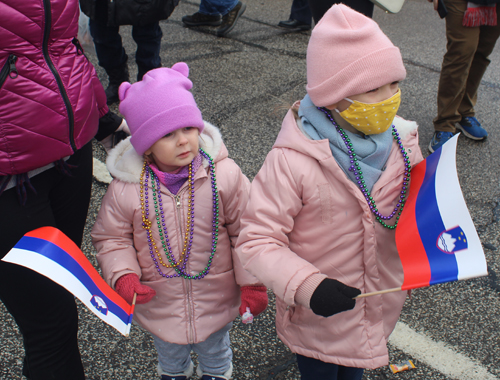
372 118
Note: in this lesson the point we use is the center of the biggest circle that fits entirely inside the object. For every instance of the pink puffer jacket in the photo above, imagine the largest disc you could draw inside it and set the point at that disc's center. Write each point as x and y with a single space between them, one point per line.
50 96
183 311
305 216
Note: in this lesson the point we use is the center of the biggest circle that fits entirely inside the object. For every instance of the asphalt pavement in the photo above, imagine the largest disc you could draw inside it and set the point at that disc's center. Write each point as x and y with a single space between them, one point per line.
243 84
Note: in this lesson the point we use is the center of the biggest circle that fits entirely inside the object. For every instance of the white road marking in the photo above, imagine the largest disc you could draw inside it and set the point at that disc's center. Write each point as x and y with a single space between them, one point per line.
437 355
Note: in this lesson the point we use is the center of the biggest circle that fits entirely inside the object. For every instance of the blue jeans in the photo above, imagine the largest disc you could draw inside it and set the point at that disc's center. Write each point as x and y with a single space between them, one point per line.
314 369
214 354
110 51
217 7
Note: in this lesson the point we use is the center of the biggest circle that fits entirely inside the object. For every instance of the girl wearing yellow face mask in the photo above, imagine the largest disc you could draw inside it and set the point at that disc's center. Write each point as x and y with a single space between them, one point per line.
370 113
319 225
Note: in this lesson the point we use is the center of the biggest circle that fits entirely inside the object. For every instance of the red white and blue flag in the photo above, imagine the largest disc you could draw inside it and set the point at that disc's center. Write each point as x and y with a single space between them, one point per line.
51 253
436 238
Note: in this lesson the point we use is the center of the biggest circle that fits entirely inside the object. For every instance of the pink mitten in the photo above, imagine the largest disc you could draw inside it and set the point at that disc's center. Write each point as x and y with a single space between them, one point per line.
255 298
129 284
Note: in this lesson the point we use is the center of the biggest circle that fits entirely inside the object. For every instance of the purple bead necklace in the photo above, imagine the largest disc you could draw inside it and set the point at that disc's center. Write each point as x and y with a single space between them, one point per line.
356 169
181 264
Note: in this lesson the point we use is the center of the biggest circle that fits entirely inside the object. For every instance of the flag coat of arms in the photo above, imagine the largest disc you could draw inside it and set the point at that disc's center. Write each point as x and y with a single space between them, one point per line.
436 238
51 253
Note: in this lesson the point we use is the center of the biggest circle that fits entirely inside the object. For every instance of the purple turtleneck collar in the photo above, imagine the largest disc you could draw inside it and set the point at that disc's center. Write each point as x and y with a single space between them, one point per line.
174 180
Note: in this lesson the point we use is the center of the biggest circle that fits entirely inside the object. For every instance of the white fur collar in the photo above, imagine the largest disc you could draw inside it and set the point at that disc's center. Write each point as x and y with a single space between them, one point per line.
125 164
404 127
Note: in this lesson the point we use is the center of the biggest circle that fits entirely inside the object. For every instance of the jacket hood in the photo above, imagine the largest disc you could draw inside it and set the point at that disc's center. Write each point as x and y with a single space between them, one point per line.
125 164
291 136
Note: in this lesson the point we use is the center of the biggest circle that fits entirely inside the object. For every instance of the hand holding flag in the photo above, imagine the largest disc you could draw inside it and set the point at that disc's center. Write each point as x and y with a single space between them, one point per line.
436 238
49 252
130 288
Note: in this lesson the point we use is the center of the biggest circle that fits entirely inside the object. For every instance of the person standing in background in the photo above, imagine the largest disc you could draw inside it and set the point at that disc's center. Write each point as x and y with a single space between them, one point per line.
319 7
300 17
105 20
221 13
472 30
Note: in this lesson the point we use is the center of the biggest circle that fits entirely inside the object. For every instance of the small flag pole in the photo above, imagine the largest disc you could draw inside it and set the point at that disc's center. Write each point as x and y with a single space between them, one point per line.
132 312
133 300
51 253
378 292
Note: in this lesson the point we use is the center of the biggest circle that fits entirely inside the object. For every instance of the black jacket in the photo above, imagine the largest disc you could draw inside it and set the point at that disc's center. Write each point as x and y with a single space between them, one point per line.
128 12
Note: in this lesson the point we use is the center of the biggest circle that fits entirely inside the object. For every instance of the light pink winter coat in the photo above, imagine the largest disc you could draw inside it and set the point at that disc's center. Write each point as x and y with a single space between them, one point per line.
183 311
305 216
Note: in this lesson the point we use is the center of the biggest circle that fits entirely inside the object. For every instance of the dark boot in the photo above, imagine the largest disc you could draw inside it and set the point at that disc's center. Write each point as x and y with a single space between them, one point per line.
116 76
200 19
229 19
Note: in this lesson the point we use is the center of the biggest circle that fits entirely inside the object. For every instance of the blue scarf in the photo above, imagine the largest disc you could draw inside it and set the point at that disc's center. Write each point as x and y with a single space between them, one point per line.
372 151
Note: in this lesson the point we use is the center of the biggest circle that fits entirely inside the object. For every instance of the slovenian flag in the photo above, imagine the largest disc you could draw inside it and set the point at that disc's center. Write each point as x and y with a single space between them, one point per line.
51 253
436 238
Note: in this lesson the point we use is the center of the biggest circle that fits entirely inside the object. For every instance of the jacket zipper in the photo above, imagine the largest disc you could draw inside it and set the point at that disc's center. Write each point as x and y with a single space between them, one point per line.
177 199
191 332
8 68
45 49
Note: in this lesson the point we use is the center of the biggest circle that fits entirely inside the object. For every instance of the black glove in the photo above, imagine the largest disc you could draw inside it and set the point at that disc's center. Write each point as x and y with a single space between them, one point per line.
108 124
112 130
332 297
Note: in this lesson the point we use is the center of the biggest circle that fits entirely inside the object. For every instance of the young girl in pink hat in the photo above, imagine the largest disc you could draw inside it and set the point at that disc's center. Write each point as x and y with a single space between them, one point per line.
319 226
168 224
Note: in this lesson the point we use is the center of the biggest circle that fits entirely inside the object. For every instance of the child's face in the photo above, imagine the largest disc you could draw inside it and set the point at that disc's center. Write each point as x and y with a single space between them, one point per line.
373 96
176 149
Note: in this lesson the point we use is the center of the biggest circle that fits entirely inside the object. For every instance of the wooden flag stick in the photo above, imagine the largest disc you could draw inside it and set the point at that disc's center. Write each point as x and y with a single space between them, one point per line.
133 307
379 292
133 300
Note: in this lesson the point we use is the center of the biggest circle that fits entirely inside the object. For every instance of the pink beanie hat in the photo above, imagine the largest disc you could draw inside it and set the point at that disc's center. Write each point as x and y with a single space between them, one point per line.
159 104
348 55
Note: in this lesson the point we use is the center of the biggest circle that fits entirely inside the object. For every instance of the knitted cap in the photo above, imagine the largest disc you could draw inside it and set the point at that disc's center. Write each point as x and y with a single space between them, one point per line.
348 55
158 105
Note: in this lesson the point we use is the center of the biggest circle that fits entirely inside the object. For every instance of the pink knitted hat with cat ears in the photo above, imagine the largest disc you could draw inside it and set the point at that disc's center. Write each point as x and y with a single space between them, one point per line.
348 54
159 104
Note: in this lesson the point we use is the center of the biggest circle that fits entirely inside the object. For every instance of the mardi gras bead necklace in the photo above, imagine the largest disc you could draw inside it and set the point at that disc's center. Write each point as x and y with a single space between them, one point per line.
160 218
178 265
356 169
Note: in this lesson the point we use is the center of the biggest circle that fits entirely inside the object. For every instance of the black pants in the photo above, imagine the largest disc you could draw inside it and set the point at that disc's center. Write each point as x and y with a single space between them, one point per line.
301 11
314 369
111 53
44 311
319 7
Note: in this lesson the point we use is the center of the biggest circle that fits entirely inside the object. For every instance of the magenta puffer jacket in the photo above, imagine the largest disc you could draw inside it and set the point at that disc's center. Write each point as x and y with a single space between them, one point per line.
50 96
183 311
305 216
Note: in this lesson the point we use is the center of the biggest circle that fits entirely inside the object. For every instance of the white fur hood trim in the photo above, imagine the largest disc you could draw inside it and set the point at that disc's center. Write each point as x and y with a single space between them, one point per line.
404 127
125 164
